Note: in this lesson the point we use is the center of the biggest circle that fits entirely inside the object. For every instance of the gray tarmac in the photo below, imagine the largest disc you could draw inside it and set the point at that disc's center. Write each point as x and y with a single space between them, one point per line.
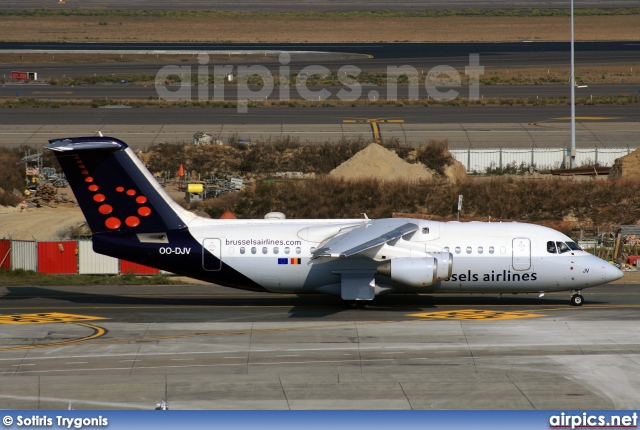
478 127
206 347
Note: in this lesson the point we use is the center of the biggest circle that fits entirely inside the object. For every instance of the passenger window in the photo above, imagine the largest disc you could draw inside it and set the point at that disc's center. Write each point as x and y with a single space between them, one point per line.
457 250
264 250
276 250
287 250
562 247
551 247
491 250
242 250
313 248
253 250
446 249
469 249
425 230
298 250
480 250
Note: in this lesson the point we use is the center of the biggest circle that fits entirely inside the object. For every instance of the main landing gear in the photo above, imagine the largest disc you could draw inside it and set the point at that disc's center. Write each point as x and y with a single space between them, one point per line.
355 304
576 298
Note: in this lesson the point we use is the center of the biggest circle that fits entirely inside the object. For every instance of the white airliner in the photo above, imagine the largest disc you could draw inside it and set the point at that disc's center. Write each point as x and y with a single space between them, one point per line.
133 218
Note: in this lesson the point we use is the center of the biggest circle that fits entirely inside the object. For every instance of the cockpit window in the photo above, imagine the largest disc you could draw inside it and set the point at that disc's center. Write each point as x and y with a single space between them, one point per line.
551 247
574 246
562 247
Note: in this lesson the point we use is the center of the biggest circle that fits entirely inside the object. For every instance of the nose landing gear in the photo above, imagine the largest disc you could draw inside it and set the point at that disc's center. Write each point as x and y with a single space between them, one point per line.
576 298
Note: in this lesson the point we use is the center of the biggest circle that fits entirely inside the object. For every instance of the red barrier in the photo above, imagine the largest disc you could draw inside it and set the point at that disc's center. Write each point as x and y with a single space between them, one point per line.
57 257
5 254
136 269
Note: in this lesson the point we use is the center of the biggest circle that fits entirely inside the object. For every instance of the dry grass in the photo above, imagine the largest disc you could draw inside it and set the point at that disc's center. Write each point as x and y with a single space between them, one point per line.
602 204
315 29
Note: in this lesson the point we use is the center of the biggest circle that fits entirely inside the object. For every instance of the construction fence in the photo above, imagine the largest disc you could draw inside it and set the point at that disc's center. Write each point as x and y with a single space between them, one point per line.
479 160
64 257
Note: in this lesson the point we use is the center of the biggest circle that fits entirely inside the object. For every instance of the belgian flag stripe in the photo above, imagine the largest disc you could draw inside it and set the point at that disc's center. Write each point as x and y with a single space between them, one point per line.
295 261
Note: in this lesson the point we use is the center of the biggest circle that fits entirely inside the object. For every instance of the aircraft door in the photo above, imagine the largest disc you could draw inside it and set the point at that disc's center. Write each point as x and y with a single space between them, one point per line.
521 253
211 254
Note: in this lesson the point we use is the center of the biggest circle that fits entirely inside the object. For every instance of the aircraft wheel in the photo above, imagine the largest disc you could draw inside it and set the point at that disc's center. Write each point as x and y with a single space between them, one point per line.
577 300
355 304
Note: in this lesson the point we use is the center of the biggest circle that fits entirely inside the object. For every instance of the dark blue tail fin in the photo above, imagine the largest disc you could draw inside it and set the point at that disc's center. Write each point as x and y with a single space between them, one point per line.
114 190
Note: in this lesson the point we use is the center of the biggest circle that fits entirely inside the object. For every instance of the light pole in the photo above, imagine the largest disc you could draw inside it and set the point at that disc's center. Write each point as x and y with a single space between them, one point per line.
573 101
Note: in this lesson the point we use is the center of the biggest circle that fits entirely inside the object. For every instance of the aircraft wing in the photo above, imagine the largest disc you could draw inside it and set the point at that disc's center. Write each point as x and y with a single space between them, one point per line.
365 237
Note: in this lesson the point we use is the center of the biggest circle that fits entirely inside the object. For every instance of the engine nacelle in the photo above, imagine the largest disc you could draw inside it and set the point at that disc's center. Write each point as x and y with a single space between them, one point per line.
445 264
416 272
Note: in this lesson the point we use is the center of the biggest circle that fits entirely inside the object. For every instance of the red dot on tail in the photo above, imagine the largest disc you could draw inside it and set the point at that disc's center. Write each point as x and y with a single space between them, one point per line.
85 172
99 198
132 221
119 189
93 188
131 192
144 211
81 166
88 179
105 209
113 223
141 199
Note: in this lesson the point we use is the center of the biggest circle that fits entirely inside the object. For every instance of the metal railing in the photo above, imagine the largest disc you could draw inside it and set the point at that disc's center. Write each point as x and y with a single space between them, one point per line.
479 160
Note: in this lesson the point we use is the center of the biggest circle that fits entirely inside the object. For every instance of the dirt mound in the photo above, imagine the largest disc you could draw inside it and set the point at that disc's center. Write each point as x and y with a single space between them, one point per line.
456 172
626 168
377 162
39 223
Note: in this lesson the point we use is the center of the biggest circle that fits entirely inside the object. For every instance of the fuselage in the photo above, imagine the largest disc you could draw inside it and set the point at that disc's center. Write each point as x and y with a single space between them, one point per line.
276 256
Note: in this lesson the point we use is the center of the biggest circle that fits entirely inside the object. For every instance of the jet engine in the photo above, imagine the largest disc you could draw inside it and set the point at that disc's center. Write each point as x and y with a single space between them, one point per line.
416 272
445 264
419 272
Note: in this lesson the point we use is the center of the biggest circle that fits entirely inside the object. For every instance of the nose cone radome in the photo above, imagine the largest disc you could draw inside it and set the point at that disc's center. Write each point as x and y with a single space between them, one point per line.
612 273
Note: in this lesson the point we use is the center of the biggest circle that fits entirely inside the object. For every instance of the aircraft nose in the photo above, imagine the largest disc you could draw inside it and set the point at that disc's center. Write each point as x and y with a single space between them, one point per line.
611 273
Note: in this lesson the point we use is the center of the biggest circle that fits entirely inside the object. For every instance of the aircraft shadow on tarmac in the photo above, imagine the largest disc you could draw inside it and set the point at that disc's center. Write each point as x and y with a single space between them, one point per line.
302 306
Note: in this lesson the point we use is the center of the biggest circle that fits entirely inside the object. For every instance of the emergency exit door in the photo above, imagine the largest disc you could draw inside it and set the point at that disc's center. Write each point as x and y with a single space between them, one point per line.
521 253
211 254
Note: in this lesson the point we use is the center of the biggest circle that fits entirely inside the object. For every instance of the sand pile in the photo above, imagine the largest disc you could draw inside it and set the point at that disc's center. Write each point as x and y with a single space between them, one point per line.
377 162
39 223
626 168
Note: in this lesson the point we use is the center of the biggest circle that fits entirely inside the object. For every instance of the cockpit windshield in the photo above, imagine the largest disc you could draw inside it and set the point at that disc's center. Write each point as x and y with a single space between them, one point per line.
562 247
574 246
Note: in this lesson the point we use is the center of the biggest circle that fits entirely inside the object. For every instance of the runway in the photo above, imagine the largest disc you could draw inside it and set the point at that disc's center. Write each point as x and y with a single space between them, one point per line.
367 56
478 127
207 347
